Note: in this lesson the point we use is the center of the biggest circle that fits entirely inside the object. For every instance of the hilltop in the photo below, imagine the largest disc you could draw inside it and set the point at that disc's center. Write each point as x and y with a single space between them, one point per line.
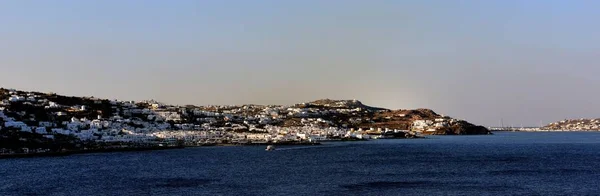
340 104
36 118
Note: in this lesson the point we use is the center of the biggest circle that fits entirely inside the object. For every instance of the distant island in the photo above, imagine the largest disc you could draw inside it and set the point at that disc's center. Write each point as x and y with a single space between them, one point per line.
582 124
35 122
574 125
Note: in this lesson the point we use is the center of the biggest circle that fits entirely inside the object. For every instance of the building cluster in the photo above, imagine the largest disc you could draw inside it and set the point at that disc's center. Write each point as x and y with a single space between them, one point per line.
99 120
432 126
574 125
273 134
524 129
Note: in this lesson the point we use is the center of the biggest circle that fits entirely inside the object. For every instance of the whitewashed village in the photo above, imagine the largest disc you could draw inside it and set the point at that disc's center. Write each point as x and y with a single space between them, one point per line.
574 125
33 122
567 125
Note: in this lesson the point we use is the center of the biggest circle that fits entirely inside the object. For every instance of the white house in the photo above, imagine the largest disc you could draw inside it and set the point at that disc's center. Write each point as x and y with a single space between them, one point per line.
258 136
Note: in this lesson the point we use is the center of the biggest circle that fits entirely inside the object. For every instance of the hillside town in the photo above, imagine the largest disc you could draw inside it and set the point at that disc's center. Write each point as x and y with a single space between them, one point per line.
42 122
574 125
566 125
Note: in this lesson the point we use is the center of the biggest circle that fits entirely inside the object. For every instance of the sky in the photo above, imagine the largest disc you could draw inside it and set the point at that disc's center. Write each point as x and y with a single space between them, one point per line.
523 62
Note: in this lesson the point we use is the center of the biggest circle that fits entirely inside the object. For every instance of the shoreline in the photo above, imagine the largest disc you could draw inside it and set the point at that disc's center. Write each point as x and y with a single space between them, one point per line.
133 149
90 151
258 144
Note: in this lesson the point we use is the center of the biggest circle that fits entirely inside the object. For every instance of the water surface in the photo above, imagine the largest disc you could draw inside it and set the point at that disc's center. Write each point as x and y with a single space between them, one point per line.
507 163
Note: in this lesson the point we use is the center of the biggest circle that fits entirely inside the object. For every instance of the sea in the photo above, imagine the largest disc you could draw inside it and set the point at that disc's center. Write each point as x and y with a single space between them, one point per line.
506 163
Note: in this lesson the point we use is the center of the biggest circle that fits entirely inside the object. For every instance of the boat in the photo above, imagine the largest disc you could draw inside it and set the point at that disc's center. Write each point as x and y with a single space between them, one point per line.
270 148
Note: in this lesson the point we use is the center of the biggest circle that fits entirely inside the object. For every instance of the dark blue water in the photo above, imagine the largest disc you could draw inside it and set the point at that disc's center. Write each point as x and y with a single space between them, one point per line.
502 164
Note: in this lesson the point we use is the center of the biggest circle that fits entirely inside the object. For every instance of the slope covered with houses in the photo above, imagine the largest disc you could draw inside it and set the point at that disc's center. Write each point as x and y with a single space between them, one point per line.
574 125
47 121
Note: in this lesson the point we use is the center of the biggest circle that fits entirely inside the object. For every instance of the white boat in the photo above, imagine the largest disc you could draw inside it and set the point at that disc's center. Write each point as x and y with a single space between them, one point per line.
270 148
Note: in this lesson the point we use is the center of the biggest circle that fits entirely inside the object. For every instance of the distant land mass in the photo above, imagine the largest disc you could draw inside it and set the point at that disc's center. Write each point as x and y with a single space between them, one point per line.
574 125
46 122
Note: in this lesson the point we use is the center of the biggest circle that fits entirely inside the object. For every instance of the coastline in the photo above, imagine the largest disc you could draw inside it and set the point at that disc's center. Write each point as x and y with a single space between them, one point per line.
259 144
88 151
131 149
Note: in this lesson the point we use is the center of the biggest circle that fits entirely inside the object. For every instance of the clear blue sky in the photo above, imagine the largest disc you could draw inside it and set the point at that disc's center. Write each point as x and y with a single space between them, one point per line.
523 61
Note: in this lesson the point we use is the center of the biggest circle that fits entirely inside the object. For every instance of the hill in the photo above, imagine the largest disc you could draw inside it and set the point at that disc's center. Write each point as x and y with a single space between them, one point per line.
575 125
42 117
